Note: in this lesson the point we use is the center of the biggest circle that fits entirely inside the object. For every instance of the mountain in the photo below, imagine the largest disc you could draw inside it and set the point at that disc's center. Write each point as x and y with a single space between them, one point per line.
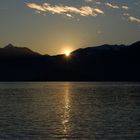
102 63
12 51
98 49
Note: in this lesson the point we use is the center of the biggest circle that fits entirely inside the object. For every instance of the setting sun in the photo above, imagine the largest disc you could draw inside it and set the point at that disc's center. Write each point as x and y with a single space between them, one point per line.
67 52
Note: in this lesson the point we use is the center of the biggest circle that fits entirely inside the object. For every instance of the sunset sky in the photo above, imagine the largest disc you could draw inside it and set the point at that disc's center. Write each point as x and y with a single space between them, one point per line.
50 26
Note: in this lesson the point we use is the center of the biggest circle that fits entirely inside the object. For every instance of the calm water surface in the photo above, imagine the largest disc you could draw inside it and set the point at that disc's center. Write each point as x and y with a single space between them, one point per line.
69 111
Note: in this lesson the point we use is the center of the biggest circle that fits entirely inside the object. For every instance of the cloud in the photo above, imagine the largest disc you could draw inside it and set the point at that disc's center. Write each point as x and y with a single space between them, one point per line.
134 19
125 7
65 10
126 14
116 6
96 2
35 6
88 0
112 6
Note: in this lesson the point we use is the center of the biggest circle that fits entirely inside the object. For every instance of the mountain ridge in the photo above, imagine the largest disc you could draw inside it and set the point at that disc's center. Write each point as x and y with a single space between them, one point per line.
104 63
100 47
11 50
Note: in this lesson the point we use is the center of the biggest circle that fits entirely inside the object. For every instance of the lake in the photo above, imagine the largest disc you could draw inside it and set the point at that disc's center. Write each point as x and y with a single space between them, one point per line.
69 111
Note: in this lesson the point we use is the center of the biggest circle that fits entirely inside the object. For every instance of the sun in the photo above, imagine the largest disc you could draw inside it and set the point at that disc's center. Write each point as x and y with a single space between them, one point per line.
67 52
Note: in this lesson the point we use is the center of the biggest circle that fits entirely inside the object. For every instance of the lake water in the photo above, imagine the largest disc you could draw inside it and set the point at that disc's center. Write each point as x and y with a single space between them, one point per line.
69 111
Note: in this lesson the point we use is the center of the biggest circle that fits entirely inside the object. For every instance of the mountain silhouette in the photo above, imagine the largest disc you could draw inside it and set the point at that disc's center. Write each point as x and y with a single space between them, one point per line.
101 63
12 51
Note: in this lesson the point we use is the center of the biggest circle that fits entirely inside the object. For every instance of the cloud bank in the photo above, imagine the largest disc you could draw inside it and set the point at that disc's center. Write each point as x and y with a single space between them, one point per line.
65 10
71 11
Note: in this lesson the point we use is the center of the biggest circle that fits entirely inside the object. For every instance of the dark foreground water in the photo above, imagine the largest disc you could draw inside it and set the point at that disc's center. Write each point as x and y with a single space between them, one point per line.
69 111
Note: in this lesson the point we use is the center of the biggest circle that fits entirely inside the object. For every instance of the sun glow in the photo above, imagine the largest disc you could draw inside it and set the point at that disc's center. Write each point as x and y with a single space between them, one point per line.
67 52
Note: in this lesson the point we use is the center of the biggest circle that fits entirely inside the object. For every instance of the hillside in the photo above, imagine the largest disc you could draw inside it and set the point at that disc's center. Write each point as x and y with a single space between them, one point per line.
102 63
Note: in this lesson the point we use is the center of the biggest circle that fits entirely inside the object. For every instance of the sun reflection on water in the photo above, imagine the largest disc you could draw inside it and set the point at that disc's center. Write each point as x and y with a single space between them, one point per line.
66 114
